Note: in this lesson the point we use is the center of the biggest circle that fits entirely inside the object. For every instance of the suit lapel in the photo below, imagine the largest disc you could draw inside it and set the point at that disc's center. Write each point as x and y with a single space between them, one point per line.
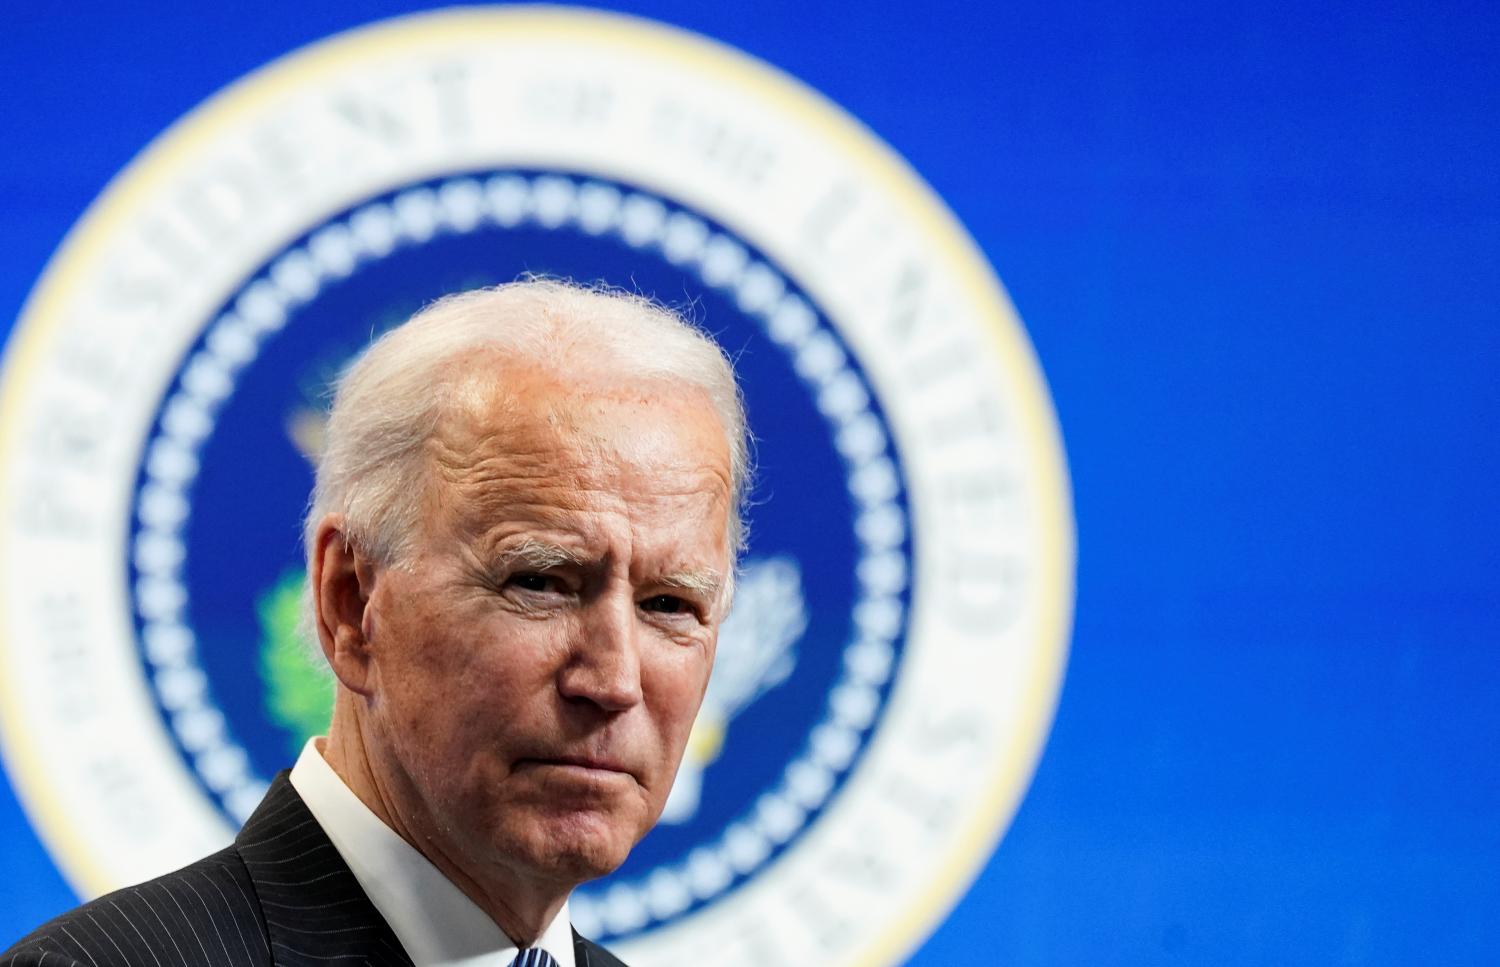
314 909
586 953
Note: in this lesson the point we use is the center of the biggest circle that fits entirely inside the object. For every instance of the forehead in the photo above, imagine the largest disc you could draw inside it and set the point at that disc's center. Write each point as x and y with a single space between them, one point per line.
517 439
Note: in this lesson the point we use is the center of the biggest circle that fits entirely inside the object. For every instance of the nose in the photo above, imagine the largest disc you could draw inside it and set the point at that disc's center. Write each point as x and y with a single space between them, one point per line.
604 666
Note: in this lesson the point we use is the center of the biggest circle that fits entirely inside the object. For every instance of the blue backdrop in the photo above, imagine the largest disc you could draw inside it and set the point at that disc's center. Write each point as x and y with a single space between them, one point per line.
1256 250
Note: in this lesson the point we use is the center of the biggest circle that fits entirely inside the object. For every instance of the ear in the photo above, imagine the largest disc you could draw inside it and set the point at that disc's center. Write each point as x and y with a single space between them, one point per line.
343 578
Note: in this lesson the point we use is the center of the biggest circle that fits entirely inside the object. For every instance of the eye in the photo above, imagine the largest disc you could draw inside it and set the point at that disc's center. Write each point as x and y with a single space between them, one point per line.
665 604
540 583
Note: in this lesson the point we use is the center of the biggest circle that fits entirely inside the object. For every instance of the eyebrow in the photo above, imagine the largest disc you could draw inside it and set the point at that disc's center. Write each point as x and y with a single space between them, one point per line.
542 555
704 582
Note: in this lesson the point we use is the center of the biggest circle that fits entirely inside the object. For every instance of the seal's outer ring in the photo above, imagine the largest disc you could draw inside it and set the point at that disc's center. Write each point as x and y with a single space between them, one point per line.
79 257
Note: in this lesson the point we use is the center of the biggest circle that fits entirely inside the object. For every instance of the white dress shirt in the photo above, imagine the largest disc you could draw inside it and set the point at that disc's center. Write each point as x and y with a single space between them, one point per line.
435 921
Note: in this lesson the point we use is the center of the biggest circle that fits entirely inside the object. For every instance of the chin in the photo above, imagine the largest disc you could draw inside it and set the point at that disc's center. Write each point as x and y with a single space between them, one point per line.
578 847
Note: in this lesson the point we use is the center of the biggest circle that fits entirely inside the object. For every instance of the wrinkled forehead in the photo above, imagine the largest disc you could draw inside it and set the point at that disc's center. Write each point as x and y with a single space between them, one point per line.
508 405
514 435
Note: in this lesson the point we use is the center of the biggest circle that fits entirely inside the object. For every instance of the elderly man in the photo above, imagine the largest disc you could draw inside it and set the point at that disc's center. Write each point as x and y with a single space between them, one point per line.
520 548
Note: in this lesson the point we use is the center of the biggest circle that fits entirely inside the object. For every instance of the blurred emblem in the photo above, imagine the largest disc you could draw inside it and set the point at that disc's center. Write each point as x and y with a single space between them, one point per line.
886 679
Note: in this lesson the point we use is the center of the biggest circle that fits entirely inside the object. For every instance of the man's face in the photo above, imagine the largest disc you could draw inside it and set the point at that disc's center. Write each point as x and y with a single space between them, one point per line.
541 656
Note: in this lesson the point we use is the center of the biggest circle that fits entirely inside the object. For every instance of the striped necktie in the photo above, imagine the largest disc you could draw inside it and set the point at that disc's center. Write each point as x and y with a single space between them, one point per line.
533 957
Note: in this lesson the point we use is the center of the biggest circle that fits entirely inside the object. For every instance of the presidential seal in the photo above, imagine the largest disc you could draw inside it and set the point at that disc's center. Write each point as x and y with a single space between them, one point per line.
888 674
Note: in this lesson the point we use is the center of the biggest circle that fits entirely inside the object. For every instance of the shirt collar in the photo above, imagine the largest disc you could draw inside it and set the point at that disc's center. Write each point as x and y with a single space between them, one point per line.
435 921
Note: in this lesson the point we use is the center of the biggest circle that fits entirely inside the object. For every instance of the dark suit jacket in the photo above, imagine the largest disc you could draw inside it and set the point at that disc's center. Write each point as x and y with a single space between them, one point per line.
281 896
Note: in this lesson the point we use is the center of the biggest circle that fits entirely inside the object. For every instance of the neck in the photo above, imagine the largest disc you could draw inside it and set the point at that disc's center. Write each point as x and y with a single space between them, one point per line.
521 907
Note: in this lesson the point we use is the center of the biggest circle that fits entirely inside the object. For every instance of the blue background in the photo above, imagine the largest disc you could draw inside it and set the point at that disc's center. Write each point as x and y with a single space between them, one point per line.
1257 249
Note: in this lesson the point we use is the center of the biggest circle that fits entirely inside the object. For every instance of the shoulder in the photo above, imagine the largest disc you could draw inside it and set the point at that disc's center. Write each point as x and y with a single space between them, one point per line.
203 914
590 954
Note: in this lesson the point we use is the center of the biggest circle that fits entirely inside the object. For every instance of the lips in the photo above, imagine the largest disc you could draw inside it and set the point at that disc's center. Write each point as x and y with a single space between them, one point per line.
602 764
591 762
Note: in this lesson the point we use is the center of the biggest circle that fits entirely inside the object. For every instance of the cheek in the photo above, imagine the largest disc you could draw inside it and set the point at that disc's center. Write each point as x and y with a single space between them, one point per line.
425 669
674 689
466 678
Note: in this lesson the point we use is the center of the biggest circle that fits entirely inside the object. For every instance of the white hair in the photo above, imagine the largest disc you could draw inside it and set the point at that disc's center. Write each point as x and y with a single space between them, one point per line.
388 403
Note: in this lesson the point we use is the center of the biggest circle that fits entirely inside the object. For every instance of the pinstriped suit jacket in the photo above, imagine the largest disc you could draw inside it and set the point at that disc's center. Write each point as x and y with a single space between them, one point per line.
281 896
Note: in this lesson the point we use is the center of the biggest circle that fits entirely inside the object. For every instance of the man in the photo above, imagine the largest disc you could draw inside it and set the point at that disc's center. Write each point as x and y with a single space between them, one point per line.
520 548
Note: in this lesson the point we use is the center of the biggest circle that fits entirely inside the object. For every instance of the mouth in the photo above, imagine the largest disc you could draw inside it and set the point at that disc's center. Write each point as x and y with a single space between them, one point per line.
583 765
